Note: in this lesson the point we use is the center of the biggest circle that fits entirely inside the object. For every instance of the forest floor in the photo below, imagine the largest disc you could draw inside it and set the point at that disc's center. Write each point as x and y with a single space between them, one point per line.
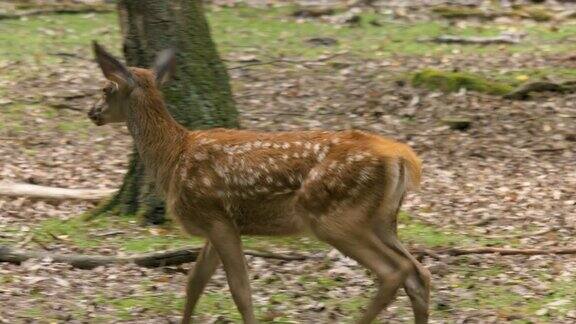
509 180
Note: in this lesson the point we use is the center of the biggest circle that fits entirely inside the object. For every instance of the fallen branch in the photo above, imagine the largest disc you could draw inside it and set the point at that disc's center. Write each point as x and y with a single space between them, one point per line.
147 260
70 55
504 251
56 9
42 192
284 60
186 255
523 92
519 235
501 39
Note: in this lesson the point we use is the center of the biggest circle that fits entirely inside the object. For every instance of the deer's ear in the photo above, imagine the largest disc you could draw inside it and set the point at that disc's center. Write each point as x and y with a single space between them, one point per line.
164 66
113 69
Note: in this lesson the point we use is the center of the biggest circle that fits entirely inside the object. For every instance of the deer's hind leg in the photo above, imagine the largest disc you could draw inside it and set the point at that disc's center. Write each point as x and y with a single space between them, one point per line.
357 241
417 284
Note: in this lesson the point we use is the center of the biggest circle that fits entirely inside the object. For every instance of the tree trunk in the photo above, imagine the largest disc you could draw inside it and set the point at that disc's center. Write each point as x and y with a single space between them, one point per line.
198 96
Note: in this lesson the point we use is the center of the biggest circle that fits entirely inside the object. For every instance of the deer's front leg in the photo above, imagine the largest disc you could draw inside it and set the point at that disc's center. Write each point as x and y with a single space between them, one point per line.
227 242
198 278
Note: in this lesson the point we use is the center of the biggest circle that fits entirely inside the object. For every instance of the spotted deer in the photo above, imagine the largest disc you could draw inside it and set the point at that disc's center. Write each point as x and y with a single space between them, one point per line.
345 188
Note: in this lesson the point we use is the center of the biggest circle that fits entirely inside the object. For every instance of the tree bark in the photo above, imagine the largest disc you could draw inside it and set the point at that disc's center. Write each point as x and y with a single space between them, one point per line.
198 96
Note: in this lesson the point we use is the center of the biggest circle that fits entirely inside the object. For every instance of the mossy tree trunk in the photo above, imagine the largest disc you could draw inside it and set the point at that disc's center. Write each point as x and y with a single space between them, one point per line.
198 96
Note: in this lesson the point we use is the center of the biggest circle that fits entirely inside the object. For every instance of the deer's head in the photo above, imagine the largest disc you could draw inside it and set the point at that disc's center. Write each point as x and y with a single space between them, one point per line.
124 82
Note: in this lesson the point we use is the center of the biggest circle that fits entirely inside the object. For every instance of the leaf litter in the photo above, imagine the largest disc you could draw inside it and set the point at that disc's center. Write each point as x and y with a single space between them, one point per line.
513 172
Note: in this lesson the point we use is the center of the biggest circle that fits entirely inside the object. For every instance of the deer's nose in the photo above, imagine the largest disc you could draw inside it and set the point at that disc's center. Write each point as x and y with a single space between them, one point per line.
95 113
92 113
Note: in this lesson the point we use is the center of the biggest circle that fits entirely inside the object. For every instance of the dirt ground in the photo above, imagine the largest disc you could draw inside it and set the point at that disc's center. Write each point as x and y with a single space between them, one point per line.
507 181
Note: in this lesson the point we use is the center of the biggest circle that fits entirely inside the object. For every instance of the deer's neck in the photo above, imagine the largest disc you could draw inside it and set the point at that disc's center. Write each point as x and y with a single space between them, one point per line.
158 137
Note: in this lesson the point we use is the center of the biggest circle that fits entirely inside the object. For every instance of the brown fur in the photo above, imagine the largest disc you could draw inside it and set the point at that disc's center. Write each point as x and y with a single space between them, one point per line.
343 187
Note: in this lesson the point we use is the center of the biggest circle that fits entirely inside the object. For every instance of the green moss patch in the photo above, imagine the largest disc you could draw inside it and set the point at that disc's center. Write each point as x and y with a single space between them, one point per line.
454 81
412 231
127 235
461 12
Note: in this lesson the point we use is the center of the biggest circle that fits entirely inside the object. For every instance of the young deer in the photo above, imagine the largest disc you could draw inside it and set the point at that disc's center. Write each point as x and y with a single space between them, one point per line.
343 187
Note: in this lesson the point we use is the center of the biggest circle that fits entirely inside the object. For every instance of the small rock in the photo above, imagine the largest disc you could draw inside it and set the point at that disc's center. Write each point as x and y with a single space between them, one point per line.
457 123
542 311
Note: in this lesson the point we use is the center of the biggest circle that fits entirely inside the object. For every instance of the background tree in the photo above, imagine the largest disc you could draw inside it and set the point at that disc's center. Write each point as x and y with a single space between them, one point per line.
198 96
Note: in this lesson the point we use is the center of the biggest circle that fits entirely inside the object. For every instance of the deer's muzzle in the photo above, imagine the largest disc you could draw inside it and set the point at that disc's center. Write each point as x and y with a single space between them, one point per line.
95 113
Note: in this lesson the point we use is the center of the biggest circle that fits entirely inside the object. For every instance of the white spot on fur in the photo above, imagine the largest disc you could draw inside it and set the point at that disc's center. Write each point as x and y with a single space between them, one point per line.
315 174
316 148
205 141
220 171
264 168
200 156
261 190
333 165
184 173
207 182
